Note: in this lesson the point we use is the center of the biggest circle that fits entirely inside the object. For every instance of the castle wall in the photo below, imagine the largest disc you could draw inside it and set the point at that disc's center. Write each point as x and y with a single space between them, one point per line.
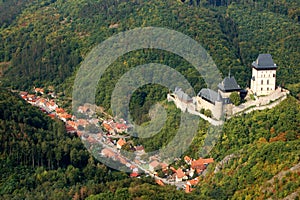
216 109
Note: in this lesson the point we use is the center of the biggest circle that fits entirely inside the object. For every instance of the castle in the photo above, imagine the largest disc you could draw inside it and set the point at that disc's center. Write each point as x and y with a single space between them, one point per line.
263 83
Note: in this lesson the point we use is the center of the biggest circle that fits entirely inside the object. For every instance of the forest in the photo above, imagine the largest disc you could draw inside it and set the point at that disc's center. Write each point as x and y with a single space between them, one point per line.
43 43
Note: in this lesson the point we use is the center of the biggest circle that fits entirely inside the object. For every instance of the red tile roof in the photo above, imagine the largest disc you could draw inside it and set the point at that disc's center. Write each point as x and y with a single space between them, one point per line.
197 164
59 110
173 169
180 173
121 126
139 148
41 90
51 115
121 142
108 153
134 174
154 164
187 159
187 188
159 182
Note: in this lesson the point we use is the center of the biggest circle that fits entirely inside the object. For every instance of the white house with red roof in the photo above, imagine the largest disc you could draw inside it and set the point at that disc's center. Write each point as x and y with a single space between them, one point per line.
121 142
180 175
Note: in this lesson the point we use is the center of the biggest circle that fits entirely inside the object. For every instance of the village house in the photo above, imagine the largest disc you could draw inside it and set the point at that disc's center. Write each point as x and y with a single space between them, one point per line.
51 105
31 97
134 174
201 164
121 128
159 182
187 159
154 165
109 126
108 153
24 95
59 110
81 122
38 90
139 150
180 175
189 185
83 109
191 172
121 142
64 116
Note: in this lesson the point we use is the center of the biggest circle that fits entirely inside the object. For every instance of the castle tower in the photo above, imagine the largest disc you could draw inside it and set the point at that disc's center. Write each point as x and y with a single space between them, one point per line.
263 80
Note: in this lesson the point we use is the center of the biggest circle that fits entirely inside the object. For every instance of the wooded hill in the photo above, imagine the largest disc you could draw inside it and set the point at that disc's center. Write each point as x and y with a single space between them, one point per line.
44 42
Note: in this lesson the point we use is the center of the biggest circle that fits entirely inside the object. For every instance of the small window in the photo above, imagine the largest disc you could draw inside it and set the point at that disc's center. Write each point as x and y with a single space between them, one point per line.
267 82
268 89
261 89
262 82
274 75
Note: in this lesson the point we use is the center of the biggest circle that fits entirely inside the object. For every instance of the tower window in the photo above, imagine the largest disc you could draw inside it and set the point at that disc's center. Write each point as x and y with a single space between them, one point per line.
262 82
267 82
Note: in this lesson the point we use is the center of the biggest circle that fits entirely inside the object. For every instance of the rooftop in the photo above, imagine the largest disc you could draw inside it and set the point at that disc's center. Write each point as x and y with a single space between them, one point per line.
181 95
121 142
264 61
229 84
210 95
180 173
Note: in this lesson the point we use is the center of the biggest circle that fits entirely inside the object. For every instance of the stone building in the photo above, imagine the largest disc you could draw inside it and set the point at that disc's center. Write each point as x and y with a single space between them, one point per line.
263 81
182 100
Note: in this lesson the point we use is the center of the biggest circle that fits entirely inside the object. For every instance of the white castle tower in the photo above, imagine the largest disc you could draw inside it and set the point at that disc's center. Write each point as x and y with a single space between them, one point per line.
263 80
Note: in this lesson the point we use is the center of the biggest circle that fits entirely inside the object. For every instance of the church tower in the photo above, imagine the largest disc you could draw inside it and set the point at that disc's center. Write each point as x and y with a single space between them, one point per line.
263 81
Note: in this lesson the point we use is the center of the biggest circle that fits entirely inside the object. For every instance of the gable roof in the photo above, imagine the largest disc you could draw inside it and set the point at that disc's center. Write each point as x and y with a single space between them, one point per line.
134 174
187 159
182 95
154 164
264 61
229 84
159 182
180 173
210 95
121 142
200 163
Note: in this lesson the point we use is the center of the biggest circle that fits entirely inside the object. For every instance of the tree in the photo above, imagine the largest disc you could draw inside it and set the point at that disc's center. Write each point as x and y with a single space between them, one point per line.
208 113
235 98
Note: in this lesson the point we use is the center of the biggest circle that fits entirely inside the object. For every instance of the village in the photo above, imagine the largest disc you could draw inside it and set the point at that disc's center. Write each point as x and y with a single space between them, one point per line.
111 135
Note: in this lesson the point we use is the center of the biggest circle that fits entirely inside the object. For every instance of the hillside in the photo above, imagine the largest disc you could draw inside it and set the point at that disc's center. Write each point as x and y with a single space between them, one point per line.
40 160
45 42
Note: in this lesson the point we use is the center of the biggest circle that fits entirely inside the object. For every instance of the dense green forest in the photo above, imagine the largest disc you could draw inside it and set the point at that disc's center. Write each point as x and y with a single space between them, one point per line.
43 44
